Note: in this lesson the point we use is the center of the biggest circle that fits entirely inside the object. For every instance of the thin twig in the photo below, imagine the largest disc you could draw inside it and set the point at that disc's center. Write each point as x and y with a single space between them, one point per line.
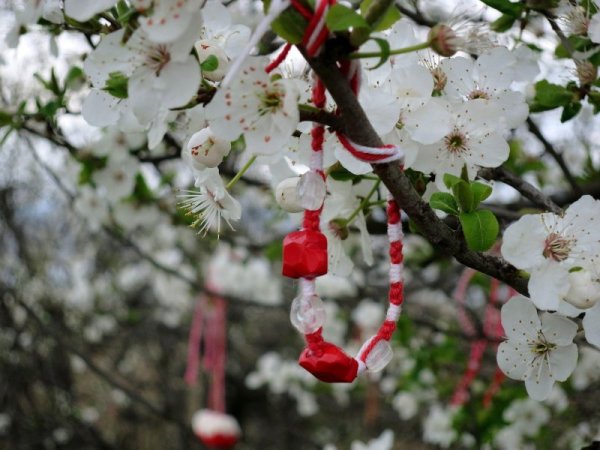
59 337
128 242
526 189
549 148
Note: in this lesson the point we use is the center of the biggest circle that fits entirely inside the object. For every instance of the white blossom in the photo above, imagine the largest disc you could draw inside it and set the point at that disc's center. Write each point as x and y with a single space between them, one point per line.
489 78
437 427
537 352
548 246
83 10
168 19
211 204
117 178
159 75
463 134
384 442
264 110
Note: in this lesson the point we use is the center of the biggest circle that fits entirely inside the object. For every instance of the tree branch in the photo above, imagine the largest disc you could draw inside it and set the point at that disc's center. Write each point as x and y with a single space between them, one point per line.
549 148
359 130
526 189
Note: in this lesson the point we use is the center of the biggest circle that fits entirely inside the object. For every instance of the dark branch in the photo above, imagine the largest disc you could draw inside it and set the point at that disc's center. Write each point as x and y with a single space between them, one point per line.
549 148
359 130
525 189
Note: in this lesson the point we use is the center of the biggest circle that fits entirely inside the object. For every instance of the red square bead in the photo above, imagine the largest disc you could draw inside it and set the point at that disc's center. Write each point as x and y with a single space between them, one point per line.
304 254
329 363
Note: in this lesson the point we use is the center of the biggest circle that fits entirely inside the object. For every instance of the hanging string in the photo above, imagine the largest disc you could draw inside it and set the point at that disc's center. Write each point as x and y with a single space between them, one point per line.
194 342
335 365
209 327
396 286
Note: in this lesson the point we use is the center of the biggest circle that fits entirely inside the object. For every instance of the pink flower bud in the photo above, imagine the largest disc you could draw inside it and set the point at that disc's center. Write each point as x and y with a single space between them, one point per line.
204 149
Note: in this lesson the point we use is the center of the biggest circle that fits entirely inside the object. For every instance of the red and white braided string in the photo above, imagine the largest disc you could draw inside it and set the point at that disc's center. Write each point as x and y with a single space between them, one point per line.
314 38
396 289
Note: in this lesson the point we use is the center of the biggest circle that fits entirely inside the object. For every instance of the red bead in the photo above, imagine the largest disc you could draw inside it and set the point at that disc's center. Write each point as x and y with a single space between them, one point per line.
329 363
304 254
218 440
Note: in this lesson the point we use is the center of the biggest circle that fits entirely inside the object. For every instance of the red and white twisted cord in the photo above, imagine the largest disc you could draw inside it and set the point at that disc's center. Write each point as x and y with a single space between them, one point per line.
396 288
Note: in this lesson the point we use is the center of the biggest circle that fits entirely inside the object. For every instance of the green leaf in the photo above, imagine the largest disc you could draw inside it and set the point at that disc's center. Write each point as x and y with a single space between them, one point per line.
579 43
340 173
116 85
444 202
5 119
391 16
290 26
464 196
210 64
384 46
451 180
594 100
142 191
480 229
505 6
75 78
569 111
50 109
481 191
340 18
503 23
550 96
274 250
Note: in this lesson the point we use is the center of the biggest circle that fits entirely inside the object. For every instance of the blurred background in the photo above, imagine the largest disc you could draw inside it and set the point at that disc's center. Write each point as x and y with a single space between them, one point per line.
98 296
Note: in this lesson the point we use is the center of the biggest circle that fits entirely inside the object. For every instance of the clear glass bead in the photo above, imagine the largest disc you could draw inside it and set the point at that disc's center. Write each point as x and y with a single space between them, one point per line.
307 313
379 357
311 190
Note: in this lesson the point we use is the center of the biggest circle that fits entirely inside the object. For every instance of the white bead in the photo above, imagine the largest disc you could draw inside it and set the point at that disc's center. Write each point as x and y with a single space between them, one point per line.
307 313
286 195
206 48
379 357
584 292
311 190
204 149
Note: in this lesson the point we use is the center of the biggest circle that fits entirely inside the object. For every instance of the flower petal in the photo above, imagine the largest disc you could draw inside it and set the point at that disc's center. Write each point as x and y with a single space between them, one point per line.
558 329
100 108
513 359
548 284
523 242
430 123
490 150
562 361
539 384
591 325
83 10
520 319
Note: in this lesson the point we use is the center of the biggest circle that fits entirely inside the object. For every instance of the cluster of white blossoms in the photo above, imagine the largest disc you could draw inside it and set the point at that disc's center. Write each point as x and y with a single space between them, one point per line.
562 256
471 103
445 113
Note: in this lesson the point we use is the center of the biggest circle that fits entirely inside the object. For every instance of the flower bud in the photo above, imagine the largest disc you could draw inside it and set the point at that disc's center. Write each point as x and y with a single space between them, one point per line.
586 72
286 195
312 190
204 149
442 39
584 291
206 48
339 227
